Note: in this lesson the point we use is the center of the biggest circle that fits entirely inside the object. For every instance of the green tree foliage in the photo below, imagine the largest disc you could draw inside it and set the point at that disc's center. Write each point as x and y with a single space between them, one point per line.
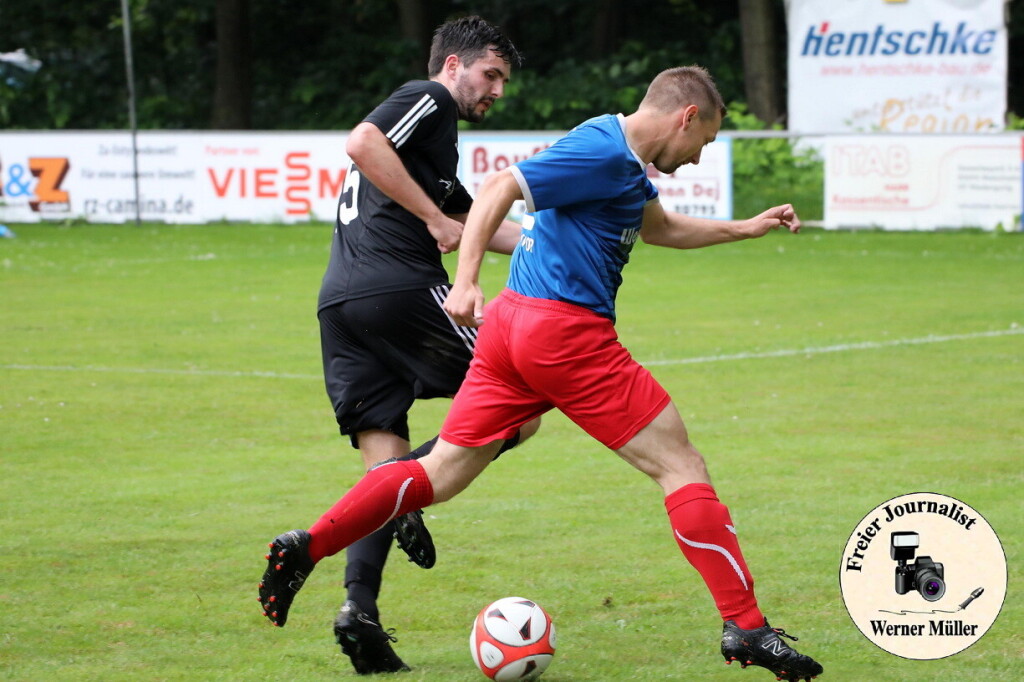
79 83
82 83
323 64
770 170
575 90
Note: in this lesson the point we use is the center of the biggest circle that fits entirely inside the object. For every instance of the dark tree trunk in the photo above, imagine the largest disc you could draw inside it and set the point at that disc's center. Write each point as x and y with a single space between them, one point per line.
762 44
606 28
232 94
412 18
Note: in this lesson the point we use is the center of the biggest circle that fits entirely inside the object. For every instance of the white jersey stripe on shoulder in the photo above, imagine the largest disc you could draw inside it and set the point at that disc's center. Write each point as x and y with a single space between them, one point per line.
467 334
423 101
406 134
403 129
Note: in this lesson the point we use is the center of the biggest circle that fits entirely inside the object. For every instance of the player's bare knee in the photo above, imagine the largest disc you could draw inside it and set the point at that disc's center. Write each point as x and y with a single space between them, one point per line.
451 468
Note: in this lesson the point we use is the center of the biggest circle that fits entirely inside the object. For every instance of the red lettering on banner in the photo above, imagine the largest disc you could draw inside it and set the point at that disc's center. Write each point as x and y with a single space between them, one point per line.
863 160
263 182
710 191
482 162
293 161
297 187
219 189
299 203
330 188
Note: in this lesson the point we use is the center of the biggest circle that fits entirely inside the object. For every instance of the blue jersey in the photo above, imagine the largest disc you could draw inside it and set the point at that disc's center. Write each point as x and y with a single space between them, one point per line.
585 197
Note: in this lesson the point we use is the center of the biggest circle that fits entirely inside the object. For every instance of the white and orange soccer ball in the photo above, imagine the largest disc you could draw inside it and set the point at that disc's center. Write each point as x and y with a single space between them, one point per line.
512 639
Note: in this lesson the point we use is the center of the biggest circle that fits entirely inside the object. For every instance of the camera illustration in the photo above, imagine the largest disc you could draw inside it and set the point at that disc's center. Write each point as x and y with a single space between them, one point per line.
923 574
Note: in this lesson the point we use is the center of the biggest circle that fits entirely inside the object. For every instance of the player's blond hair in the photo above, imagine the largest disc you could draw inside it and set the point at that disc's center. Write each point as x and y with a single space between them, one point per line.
682 86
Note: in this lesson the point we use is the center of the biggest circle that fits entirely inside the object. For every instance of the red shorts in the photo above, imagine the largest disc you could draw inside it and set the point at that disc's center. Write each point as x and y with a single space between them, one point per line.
532 355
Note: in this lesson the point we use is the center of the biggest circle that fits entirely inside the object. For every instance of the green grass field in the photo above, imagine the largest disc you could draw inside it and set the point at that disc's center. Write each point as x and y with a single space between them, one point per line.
162 416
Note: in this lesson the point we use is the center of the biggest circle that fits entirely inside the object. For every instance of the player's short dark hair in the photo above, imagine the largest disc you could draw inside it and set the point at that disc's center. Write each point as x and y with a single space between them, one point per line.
684 85
469 38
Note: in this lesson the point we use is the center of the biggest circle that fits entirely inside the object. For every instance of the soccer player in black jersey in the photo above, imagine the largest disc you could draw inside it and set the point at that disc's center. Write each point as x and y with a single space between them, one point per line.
386 339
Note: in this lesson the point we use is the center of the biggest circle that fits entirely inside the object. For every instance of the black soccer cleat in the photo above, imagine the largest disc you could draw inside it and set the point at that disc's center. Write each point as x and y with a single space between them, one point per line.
763 646
288 566
365 642
414 539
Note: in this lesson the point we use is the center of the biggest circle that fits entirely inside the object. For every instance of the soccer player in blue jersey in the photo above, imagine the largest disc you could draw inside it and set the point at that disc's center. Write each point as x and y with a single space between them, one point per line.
548 341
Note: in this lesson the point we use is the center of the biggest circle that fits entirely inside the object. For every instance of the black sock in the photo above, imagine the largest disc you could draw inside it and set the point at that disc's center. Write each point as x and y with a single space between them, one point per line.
429 445
366 559
422 450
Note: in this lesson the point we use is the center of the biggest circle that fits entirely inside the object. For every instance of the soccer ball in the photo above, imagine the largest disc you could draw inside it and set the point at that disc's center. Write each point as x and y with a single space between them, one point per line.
512 639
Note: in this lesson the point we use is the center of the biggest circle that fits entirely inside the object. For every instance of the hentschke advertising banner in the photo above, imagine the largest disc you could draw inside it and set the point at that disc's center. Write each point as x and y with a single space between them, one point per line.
900 66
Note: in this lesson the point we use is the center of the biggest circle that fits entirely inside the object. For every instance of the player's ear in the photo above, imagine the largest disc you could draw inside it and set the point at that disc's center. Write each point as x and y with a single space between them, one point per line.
451 64
689 114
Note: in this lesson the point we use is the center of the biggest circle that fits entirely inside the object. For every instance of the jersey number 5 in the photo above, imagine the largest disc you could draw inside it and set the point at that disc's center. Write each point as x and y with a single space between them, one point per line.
348 207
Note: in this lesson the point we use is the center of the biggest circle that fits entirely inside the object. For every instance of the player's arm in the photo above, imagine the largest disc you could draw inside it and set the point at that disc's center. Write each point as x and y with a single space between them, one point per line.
499 191
679 231
504 240
377 159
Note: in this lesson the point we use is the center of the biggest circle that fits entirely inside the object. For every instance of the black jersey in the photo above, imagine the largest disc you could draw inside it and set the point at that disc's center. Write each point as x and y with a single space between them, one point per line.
379 246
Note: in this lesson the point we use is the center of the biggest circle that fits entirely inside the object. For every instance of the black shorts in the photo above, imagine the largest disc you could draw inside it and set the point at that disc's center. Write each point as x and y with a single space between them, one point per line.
383 352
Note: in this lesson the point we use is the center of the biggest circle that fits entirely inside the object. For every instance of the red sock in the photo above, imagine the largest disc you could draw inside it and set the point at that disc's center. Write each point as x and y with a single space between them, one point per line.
382 494
704 531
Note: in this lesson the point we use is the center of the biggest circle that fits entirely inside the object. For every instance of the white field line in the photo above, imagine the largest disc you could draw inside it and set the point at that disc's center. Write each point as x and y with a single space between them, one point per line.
155 370
839 348
787 352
